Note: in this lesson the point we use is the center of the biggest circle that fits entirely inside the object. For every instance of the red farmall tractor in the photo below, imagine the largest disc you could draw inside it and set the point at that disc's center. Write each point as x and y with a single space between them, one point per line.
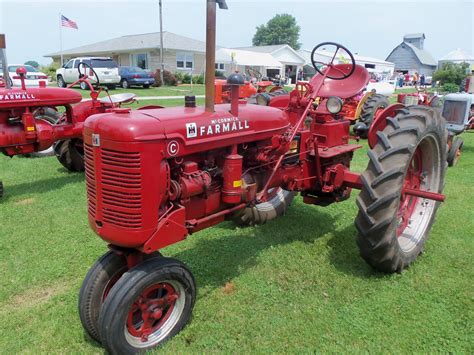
156 176
248 91
31 122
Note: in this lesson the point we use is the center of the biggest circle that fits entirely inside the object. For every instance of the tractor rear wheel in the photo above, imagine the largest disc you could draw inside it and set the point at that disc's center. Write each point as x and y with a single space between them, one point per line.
279 201
148 305
454 152
70 154
410 153
374 104
100 279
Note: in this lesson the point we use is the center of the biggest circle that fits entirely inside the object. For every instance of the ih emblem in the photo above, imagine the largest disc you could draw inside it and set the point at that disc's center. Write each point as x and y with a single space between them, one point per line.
96 140
191 130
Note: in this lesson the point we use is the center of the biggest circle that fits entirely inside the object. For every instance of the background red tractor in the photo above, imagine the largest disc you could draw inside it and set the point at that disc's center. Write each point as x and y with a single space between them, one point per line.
156 176
352 100
33 119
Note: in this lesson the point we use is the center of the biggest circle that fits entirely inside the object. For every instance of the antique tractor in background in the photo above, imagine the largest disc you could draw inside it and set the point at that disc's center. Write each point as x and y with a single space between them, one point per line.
352 100
155 176
249 91
34 119
458 110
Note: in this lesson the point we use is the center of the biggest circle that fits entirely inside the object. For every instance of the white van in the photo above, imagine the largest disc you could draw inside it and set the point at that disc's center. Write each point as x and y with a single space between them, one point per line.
105 67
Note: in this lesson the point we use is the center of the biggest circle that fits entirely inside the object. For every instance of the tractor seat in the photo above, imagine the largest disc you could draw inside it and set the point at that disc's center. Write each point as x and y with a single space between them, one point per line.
345 88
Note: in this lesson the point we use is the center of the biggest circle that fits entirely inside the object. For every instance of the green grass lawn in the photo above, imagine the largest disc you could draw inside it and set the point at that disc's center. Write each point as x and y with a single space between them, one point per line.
296 284
181 90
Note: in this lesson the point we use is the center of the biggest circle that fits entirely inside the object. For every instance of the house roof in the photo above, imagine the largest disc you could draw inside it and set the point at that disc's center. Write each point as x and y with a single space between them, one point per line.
137 42
272 49
414 35
423 56
458 55
241 57
265 49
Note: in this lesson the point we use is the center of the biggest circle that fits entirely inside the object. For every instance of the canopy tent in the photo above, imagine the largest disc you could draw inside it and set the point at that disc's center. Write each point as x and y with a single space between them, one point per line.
457 56
373 65
246 58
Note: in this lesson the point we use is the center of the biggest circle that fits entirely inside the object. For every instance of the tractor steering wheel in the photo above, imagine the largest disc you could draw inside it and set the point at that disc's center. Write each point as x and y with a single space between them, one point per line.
322 67
85 76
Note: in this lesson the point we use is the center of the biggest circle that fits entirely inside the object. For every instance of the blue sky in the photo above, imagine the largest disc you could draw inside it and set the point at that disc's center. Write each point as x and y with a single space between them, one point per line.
371 28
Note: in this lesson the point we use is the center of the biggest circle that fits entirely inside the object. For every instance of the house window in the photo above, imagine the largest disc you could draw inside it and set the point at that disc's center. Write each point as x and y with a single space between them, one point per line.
369 66
184 60
140 60
219 66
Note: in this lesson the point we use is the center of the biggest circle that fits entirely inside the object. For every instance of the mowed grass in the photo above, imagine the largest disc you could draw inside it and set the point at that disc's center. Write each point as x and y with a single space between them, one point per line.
296 284
180 90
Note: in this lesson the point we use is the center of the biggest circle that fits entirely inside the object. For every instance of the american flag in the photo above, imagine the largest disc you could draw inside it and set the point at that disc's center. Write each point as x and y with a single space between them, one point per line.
68 23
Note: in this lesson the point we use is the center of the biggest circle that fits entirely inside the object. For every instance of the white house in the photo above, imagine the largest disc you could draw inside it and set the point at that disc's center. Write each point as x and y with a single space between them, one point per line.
290 59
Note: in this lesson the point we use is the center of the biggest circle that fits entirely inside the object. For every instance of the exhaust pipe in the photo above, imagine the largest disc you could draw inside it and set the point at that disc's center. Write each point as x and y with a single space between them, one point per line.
3 58
211 50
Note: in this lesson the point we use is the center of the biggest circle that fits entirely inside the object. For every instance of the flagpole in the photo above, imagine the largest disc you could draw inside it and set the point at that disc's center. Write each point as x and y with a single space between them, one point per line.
162 65
61 39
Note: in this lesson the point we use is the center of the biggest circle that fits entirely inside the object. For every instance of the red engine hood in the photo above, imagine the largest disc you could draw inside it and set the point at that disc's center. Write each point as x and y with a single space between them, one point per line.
193 129
17 98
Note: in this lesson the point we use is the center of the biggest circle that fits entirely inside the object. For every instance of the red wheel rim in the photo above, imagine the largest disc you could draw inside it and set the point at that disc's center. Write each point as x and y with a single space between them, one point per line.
413 179
151 310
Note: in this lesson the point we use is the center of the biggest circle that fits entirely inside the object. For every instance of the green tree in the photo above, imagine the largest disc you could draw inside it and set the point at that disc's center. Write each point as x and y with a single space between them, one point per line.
451 73
33 63
281 29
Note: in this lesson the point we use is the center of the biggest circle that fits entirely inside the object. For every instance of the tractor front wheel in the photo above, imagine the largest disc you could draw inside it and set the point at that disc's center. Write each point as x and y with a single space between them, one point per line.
410 153
100 279
375 103
70 154
147 306
278 202
455 151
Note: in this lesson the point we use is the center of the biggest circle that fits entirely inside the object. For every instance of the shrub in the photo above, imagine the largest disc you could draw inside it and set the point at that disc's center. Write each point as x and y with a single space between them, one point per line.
451 73
168 78
198 79
157 75
186 78
219 74
450 87
50 70
33 63
179 77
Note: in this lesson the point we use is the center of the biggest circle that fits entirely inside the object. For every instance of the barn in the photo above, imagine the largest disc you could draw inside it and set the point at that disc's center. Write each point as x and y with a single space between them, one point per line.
410 56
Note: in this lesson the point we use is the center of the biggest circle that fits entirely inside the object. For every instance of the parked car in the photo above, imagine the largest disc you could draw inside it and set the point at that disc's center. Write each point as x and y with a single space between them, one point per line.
135 76
33 76
105 67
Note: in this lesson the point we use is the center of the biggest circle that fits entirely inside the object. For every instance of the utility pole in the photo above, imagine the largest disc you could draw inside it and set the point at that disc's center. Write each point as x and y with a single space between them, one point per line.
161 45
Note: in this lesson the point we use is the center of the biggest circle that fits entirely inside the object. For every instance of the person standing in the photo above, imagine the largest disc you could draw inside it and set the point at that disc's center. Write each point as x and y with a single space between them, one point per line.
407 79
422 79
415 79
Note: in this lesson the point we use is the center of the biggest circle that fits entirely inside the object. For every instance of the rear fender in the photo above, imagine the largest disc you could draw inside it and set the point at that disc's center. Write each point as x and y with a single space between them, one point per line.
380 122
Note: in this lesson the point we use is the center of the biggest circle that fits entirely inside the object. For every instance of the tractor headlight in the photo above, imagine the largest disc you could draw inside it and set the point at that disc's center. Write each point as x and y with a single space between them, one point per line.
334 104
263 99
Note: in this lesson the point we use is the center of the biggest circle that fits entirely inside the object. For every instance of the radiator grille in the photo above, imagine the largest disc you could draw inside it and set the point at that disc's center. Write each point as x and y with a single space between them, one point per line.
90 179
121 188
